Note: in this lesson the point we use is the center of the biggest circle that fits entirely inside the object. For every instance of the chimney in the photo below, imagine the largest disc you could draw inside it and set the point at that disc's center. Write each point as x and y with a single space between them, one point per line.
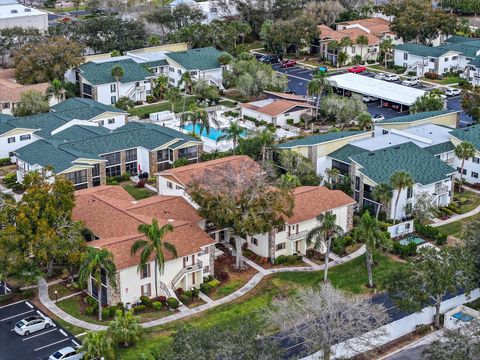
170 221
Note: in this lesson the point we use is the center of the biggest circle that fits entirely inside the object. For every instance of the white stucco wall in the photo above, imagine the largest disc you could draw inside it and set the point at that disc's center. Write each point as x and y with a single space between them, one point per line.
6 148
470 166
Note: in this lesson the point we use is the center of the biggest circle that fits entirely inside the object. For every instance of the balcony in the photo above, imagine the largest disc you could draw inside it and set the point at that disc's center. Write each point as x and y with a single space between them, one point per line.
186 270
439 190
301 235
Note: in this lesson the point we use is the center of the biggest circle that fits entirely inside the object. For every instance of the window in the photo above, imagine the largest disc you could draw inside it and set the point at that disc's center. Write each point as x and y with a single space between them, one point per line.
254 241
193 72
460 170
171 69
163 166
113 171
112 158
476 160
405 56
101 122
96 170
474 174
354 49
78 178
281 246
25 137
409 192
162 155
11 139
137 84
111 121
189 153
179 72
113 88
146 290
408 209
384 132
131 168
446 59
169 185
454 57
145 271
113 100
130 155
6 106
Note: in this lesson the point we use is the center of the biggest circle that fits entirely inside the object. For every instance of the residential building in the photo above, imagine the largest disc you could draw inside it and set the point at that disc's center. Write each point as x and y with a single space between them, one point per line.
140 68
11 91
309 202
114 216
87 153
471 169
457 54
211 9
13 14
19 132
375 30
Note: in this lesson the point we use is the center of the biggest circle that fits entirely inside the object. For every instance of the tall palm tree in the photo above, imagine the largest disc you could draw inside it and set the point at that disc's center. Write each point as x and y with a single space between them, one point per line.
369 231
464 151
233 133
94 261
173 94
186 79
386 46
361 40
97 344
315 88
154 245
332 175
342 58
364 120
344 43
118 73
322 236
56 90
196 115
266 139
400 180
161 85
382 194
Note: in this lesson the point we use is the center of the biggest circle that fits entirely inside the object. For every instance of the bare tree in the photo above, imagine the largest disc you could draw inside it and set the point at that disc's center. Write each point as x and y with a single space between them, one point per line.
322 317
424 208
325 12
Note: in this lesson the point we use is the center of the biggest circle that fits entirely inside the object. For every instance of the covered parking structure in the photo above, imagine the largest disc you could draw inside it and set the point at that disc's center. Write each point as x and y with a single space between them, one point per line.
390 94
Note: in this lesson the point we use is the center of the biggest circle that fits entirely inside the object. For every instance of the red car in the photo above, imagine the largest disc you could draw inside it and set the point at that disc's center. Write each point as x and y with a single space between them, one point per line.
357 69
288 63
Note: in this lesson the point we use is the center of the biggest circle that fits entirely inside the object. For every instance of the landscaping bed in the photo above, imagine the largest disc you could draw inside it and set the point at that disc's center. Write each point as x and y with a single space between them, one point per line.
138 193
144 111
456 228
62 289
280 261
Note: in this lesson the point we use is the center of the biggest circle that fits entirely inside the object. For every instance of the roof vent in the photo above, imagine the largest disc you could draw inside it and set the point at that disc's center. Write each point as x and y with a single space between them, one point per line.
134 202
28 10
170 221
14 11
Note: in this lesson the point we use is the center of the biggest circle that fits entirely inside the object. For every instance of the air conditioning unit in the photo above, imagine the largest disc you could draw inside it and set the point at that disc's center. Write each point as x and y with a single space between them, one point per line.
14 11
28 10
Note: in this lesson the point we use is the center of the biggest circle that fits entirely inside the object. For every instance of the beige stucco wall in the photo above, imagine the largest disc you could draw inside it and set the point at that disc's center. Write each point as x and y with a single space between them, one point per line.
450 120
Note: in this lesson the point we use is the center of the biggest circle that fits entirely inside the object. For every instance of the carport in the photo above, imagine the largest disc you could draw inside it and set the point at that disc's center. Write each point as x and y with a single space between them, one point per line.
390 94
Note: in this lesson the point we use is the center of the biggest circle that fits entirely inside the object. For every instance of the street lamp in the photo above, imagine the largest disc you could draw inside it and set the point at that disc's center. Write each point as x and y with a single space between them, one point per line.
56 295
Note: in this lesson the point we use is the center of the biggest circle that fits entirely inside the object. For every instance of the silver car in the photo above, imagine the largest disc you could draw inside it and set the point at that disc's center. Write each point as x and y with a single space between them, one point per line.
32 324
67 353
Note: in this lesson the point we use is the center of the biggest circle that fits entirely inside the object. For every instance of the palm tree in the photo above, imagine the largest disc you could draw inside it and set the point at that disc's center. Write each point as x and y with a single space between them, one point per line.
342 58
94 262
322 236
161 85
344 43
196 115
315 88
382 194
117 73
361 40
369 231
400 180
364 120
56 90
289 181
97 344
464 151
173 94
386 46
266 139
125 329
186 79
332 175
233 133
153 246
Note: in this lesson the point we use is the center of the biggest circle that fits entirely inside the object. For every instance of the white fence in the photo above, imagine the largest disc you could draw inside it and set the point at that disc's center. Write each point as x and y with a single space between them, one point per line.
395 329
401 229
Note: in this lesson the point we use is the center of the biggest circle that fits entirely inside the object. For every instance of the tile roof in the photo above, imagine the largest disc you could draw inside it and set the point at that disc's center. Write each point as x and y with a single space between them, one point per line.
381 164
197 59
440 148
415 117
352 33
276 107
343 154
114 216
101 72
311 201
470 134
319 139
12 91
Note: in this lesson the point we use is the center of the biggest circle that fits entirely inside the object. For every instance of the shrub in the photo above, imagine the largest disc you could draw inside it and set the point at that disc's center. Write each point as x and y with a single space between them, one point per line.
162 299
184 298
282 259
120 306
146 301
370 61
139 308
91 301
10 179
310 253
179 291
223 276
291 259
150 99
290 121
208 278
405 251
157 305
205 288
90 310
173 303
426 230
188 293
441 239
113 309
431 76
423 329
214 283
106 313
195 292
5 161
245 117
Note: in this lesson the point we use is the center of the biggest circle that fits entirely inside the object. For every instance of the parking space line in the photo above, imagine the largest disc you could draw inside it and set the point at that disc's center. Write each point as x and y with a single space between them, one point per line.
43 333
13 316
75 342
63 332
29 305
45 346
15 303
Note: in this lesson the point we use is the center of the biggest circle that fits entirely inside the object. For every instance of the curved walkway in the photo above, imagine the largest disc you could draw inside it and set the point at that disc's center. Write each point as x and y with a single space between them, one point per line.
457 217
50 305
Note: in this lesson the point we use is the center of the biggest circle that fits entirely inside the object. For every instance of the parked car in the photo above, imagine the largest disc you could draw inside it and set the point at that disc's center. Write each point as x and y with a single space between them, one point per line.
322 69
31 324
269 59
411 81
380 76
288 63
357 69
377 118
452 92
67 353
391 77
368 99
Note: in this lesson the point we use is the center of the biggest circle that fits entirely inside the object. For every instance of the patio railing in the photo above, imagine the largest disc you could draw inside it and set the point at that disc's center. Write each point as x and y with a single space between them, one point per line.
186 270
300 235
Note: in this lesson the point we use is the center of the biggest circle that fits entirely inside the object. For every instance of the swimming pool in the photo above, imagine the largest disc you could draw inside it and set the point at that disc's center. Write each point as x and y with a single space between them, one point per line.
463 316
213 134
414 239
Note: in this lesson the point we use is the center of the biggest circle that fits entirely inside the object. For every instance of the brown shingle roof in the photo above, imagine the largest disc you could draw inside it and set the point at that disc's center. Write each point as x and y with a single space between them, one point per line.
11 91
114 216
328 34
276 107
311 201
287 96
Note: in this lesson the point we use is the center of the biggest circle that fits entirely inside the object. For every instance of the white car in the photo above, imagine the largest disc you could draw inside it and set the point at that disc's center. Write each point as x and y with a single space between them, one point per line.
380 76
391 77
32 324
369 99
411 81
377 118
452 92
67 353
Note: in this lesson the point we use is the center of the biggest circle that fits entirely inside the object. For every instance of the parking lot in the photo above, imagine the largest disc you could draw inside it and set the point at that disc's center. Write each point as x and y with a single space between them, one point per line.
36 346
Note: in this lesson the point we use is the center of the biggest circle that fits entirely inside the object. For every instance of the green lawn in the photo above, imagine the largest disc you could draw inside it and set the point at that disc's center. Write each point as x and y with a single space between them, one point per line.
226 289
445 81
467 196
228 103
66 9
456 228
138 193
351 277
73 307
144 111
254 45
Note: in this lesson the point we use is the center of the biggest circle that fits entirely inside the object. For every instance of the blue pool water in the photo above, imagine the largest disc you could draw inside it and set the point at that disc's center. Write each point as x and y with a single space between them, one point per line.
414 239
213 134
462 316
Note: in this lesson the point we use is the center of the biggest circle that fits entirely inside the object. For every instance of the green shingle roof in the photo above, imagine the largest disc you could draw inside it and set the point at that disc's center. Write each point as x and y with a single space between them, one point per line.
456 39
440 148
197 59
155 63
84 104
381 164
475 62
416 117
318 139
343 154
421 50
101 73
46 122
79 132
470 134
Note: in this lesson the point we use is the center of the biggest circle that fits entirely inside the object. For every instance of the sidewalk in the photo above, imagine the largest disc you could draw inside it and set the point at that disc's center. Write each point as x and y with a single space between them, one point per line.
254 281
457 217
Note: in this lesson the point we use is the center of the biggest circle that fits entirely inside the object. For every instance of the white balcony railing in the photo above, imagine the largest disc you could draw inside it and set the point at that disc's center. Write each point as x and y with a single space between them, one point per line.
301 235
186 270
439 190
